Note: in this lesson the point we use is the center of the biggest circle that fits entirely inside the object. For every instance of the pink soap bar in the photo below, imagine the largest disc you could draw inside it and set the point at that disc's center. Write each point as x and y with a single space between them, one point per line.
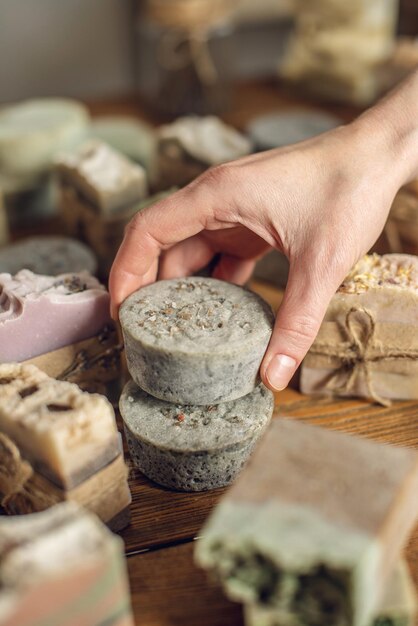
39 314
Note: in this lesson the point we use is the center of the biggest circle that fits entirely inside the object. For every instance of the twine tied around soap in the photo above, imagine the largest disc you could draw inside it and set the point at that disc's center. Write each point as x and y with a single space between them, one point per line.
358 353
14 471
188 24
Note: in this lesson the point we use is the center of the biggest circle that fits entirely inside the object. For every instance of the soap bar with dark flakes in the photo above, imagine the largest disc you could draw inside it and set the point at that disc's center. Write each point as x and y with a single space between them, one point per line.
314 525
195 340
193 448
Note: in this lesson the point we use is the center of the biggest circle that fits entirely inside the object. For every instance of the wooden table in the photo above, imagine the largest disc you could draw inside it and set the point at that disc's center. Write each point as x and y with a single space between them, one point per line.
167 588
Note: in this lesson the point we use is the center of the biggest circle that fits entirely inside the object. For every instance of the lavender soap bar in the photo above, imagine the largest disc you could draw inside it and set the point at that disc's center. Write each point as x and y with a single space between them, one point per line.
194 340
193 448
39 314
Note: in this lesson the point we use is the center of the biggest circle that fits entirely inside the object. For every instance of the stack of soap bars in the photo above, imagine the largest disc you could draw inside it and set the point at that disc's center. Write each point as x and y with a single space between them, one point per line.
195 407
59 443
100 192
312 531
62 567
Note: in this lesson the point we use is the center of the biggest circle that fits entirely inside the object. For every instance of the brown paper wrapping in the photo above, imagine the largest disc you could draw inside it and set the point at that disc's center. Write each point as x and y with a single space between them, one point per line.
361 356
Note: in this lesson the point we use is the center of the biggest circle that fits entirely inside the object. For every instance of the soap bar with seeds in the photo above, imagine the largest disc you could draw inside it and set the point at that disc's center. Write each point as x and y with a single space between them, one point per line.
62 566
106 177
193 448
66 434
367 345
314 524
195 340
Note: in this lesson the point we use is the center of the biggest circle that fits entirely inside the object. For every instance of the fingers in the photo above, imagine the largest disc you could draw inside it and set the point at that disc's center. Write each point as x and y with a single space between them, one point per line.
305 302
185 258
151 231
233 269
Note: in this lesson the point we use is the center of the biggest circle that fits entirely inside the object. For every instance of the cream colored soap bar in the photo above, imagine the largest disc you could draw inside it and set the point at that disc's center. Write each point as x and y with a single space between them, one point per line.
62 568
65 433
314 524
107 178
367 345
398 607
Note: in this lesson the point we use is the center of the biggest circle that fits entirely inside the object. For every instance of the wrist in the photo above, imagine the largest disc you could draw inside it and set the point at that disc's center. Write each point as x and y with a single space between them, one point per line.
391 126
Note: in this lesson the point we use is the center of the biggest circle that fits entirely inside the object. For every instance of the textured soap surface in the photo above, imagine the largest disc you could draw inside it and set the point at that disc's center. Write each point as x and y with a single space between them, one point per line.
195 340
193 448
105 176
65 433
39 313
62 566
207 139
314 523
48 254
371 324
398 607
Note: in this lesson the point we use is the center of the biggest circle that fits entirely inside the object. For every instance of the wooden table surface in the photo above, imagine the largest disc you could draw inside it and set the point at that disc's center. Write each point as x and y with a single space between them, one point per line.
167 588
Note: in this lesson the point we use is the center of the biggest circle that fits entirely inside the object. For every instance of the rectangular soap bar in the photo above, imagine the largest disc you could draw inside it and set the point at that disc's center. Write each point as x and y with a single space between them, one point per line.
62 567
65 433
23 490
314 524
367 345
398 607
106 177
39 314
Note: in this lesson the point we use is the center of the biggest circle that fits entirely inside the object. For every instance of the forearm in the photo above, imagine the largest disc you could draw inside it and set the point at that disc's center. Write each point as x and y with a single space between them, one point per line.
393 126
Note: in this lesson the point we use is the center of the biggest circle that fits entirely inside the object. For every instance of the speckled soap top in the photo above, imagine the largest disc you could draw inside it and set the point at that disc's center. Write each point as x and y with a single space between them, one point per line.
196 315
393 271
184 428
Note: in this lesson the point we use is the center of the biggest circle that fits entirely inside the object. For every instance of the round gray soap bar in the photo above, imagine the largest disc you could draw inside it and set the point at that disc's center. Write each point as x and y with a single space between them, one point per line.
281 129
195 340
189 447
48 255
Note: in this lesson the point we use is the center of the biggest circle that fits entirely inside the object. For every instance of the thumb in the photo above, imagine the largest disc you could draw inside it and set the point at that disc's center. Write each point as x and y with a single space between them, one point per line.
297 323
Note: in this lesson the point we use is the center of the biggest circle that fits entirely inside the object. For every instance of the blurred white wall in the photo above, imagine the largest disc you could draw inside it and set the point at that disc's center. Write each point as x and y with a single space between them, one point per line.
66 48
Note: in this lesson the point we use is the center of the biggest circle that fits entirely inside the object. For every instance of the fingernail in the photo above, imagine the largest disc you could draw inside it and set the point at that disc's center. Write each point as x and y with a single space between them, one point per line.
280 370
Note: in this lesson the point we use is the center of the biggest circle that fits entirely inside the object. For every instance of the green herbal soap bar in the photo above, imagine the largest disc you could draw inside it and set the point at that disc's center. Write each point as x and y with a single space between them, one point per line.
193 448
195 340
314 524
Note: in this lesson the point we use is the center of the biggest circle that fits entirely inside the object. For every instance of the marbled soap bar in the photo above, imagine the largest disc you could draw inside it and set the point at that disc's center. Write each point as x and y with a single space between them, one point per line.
47 254
190 145
193 448
65 433
398 607
62 567
23 490
107 178
367 345
314 524
195 340
39 314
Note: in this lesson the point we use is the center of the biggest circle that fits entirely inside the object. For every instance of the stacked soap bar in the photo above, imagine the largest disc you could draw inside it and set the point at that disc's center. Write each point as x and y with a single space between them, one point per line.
337 48
100 190
62 567
61 324
313 528
190 145
195 408
367 345
58 443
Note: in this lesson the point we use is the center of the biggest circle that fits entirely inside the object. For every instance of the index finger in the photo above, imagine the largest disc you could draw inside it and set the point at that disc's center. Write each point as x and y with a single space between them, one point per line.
156 228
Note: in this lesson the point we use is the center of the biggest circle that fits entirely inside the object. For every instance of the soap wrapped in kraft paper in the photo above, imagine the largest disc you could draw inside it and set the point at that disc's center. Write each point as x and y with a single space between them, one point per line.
367 345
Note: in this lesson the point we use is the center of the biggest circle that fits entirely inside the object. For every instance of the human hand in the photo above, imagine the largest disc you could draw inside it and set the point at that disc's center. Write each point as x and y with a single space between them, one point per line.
323 203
